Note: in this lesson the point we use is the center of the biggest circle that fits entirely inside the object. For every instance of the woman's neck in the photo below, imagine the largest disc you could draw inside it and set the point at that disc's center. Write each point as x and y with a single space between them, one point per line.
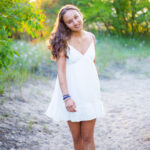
77 33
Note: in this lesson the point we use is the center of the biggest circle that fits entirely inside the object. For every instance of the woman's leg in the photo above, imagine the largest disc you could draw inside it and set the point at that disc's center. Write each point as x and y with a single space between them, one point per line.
87 133
75 128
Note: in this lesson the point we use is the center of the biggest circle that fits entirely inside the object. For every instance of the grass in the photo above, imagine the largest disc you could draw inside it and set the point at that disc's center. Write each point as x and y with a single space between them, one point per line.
31 62
112 53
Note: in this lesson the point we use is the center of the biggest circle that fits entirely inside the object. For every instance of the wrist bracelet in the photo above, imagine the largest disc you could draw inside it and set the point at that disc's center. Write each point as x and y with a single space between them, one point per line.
66 96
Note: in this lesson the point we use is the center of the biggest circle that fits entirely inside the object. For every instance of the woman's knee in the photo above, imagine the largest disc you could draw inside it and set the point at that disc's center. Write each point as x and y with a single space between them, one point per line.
87 131
87 138
77 139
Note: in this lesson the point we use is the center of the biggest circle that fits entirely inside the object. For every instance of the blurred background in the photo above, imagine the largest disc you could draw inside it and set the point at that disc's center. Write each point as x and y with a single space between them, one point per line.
27 75
122 30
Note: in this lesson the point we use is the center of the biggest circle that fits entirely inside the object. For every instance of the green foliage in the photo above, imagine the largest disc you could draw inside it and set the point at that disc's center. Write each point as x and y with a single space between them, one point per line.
20 15
16 16
122 17
6 53
129 17
33 59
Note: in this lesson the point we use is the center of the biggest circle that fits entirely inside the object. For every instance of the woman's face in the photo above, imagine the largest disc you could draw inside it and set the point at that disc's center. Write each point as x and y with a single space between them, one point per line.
73 20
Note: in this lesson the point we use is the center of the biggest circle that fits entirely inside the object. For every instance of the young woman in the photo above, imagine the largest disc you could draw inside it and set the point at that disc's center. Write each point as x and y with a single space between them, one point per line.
76 98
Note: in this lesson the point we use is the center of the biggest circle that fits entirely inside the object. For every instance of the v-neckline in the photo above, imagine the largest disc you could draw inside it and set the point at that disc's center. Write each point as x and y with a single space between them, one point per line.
79 51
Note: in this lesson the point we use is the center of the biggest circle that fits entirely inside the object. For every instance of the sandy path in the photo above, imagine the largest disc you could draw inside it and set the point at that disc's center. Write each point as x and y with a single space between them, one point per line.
125 127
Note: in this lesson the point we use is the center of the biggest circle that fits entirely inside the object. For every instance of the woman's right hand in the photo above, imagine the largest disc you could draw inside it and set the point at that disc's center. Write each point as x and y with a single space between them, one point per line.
70 105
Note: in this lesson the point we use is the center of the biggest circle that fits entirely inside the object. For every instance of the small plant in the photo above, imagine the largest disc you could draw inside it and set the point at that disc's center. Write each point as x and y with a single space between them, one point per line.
2 118
2 89
2 100
30 125
44 127
46 130
4 115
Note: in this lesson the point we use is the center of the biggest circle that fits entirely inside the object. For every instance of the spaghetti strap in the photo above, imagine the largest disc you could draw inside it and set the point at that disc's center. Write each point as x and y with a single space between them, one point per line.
91 37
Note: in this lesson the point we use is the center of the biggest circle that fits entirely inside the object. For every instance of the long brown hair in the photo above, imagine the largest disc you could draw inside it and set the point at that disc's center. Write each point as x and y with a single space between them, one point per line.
60 33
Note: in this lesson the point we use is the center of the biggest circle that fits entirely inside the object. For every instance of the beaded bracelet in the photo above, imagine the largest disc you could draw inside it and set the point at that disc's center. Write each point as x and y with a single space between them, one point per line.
65 97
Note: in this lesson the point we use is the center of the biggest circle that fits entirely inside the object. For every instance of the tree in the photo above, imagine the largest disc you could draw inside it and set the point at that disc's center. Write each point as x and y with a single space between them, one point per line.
130 17
16 16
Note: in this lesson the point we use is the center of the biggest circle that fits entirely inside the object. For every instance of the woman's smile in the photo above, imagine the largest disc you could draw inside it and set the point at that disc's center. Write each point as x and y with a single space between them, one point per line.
77 26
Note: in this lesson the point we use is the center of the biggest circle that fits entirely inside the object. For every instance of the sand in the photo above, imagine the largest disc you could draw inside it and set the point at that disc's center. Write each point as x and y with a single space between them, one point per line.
126 126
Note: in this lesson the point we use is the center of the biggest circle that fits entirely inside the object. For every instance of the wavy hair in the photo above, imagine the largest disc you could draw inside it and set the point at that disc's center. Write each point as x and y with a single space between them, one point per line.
60 33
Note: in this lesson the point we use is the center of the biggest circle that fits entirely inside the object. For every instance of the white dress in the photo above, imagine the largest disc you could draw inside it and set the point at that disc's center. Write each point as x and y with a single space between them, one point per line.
83 86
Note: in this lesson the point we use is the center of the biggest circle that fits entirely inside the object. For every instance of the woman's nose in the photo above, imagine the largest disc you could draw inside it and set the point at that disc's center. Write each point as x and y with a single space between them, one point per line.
75 22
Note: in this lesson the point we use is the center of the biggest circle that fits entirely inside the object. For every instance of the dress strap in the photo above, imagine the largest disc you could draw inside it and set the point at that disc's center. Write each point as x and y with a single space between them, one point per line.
93 41
91 37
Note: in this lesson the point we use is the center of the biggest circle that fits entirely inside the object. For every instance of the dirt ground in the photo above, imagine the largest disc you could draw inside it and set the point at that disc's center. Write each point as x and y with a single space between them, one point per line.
23 126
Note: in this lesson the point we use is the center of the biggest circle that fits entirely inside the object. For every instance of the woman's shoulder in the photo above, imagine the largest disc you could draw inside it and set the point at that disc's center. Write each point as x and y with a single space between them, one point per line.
93 37
90 33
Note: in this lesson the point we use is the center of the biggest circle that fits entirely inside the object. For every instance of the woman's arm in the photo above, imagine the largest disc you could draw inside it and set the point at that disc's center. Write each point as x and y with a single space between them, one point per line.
61 69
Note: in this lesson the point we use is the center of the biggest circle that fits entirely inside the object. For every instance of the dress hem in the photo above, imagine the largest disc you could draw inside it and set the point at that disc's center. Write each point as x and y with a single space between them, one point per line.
64 120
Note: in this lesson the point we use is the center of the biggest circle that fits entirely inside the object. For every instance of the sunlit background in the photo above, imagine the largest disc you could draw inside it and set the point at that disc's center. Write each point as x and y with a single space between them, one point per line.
122 30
